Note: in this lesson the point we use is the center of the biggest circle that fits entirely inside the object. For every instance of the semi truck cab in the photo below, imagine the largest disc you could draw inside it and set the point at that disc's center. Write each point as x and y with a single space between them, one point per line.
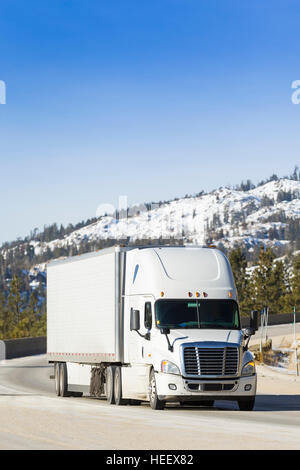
189 330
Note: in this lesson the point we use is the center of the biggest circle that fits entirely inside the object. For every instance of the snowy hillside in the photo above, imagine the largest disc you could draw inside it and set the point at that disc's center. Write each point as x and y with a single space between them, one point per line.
226 216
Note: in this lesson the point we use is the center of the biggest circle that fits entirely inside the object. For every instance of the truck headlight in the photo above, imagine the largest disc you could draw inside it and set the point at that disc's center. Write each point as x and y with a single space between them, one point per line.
248 369
169 368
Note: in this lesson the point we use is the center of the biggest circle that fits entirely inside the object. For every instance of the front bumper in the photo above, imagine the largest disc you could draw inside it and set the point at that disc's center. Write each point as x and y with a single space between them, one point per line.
174 388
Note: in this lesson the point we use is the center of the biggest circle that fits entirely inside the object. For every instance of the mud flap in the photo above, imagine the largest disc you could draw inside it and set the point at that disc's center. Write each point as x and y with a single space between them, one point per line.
97 381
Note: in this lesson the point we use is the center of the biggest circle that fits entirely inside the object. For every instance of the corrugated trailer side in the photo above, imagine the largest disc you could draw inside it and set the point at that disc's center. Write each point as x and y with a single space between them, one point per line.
83 308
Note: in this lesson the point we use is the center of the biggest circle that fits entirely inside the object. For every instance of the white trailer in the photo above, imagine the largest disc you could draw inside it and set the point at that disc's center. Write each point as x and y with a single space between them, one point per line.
157 324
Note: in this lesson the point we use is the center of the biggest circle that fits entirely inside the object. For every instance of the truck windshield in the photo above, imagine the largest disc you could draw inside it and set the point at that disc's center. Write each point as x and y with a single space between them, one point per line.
218 314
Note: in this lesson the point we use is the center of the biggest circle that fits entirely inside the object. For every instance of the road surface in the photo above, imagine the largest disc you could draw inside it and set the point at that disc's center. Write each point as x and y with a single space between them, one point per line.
32 417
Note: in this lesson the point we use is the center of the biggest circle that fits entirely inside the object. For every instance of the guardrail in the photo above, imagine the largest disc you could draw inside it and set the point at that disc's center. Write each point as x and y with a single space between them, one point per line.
21 347
274 319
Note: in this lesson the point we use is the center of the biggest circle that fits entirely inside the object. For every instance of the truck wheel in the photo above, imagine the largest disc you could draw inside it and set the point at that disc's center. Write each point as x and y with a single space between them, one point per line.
118 387
155 403
56 376
63 379
110 392
246 405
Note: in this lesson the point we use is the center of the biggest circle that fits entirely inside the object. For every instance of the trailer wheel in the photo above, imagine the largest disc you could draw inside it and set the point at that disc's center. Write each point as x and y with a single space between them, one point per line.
155 403
246 405
118 387
63 379
56 376
110 392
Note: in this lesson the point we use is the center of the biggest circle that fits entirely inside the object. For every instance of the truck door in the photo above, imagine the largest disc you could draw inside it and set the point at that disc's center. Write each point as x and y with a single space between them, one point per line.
138 345
148 323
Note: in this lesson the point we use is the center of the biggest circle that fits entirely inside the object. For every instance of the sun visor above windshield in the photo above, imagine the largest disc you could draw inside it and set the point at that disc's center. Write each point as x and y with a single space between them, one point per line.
190 264
179 272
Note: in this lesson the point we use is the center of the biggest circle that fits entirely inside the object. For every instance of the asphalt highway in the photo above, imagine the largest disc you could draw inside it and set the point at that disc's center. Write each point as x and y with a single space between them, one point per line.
32 417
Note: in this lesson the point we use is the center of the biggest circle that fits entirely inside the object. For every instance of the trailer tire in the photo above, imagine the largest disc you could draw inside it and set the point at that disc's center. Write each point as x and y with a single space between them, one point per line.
63 379
246 405
118 387
109 381
155 402
56 377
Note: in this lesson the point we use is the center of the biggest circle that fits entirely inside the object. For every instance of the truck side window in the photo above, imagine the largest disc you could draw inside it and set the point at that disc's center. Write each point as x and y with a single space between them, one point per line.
148 316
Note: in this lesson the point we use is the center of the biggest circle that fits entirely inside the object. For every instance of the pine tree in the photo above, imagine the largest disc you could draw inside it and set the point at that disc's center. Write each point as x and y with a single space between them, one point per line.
295 285
14 303
262 281
239 264
277 289
2 316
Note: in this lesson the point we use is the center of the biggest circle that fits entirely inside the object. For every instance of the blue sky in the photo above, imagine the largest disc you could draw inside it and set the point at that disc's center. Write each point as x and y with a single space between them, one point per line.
149 99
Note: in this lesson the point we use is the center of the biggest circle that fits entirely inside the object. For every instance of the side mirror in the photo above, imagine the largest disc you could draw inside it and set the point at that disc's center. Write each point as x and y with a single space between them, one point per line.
165 331
247 332
254 320
134 320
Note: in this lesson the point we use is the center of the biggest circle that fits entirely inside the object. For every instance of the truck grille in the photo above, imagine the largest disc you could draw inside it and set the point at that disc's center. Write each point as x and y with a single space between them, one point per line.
211 361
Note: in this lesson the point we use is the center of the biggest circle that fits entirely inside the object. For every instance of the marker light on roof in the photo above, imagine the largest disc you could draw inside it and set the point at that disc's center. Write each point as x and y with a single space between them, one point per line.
190 294
162 294
197 294
205 294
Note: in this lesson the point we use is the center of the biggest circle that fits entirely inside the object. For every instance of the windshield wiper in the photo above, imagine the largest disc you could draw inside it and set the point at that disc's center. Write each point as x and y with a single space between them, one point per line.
198 314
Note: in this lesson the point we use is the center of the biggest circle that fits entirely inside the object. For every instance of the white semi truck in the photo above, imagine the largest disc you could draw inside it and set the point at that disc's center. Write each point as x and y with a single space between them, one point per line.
156 324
